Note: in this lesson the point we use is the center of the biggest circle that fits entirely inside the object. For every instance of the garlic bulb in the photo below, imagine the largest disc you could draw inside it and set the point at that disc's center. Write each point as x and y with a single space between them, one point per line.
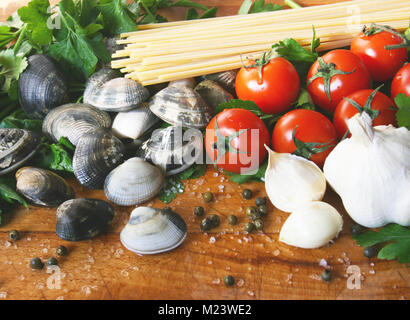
312 226
292 181
371 173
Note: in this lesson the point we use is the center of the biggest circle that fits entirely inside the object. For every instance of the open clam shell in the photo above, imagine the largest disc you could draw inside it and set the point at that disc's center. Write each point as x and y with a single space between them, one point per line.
133 182
172 151
108 91
188 82
16 147
43 187
42 87
82 219
133 124
213 93
73 120
96 154
152 231
225 78
181 106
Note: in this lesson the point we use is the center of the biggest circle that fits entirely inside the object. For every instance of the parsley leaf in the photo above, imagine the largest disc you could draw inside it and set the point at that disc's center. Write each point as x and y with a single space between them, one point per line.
11 67
248 6
8 194
403 114
399 236
55 156
258 175
36 15
18 119
117 17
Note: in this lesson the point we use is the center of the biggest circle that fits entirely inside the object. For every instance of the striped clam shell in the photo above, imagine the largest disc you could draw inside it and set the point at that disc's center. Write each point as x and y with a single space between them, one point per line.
73 120
181 106
108 91
133 182
152 231
213 93
134 123
225 78
97 153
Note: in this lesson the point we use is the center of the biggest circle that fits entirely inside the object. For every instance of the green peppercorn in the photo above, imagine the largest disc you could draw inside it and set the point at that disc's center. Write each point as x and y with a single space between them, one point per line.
356 229
36 263
260 201
249 227
251 211
326 275
52 261
208 196
232 220
199 211
215 220
247 194
370 252
258 224
14 235
255 216
206 224
229 280
61 251
263 210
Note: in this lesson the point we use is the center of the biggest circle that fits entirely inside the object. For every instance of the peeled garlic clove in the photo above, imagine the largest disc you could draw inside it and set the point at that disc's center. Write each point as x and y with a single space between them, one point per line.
312 226
291 181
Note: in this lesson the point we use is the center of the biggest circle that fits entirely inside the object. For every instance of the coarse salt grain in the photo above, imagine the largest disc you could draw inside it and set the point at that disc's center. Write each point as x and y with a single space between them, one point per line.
7 244
276 252
216 281
323 263
3 295
372 271
251 293
60 298
240 282
124 273
212 240
209 262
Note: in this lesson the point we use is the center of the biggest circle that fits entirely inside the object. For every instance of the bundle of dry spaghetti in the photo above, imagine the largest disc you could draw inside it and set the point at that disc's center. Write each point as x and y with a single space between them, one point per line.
175 50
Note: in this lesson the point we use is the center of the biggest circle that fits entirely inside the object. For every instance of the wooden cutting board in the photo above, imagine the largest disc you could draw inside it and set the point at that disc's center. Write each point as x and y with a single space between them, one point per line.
263 267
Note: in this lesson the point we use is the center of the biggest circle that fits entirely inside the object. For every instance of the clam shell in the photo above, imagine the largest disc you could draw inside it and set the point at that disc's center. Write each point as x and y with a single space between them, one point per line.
43 187
73 120
42 87
82 219
226 79
213 93
152 231
181 106
168 149
133 182
188 82
108 91
133 124
16 147
96 154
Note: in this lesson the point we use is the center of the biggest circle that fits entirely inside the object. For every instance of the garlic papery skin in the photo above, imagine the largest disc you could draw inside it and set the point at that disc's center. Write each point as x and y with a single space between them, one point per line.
292 181
312 226
371 173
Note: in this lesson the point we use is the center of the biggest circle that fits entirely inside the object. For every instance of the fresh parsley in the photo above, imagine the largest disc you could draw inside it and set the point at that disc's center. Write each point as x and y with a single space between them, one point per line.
249 6
397 237
403 112
257 176
8 195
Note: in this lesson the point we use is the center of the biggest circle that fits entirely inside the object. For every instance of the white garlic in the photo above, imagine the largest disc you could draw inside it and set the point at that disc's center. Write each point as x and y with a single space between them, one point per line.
292 181
371 173
312 226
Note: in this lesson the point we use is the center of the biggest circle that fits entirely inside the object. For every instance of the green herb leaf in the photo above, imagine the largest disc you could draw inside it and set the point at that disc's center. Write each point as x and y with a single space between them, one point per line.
191 14
245 7
399 236
240 104
210 13
291 50
260 6
55 156
258 175
19 119
305 101
6 35
116 16
403 114
36 15
188 4
8 191
11 67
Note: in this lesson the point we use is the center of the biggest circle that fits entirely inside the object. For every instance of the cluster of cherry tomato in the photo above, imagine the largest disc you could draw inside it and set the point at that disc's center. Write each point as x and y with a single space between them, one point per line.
339 83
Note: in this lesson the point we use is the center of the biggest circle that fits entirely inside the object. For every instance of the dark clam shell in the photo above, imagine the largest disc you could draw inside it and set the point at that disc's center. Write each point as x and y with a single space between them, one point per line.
108 91
168 149
43 187
213 93
97 153
226 79
82 219
16 147
73 120
42 87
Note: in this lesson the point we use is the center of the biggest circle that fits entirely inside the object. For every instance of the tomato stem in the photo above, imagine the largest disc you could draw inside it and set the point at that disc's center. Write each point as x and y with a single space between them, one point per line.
368 104
261 62
376 28
308 149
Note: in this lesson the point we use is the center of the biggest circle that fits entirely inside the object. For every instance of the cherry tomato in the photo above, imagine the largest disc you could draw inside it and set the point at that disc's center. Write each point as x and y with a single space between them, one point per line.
235 140
401 82
381 63
345 110
336 63
311 127
277 90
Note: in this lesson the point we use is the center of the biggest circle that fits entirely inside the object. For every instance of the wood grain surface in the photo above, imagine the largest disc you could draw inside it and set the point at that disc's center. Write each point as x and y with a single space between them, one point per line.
263 267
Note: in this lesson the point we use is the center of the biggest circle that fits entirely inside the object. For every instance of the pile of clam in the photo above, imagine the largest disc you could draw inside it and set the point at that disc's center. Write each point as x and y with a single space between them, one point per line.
119 147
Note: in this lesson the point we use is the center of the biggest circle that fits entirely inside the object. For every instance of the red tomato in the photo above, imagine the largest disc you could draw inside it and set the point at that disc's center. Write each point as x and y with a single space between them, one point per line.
231 141
340 85
381 63
276 92
311 127
401 82
345 110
